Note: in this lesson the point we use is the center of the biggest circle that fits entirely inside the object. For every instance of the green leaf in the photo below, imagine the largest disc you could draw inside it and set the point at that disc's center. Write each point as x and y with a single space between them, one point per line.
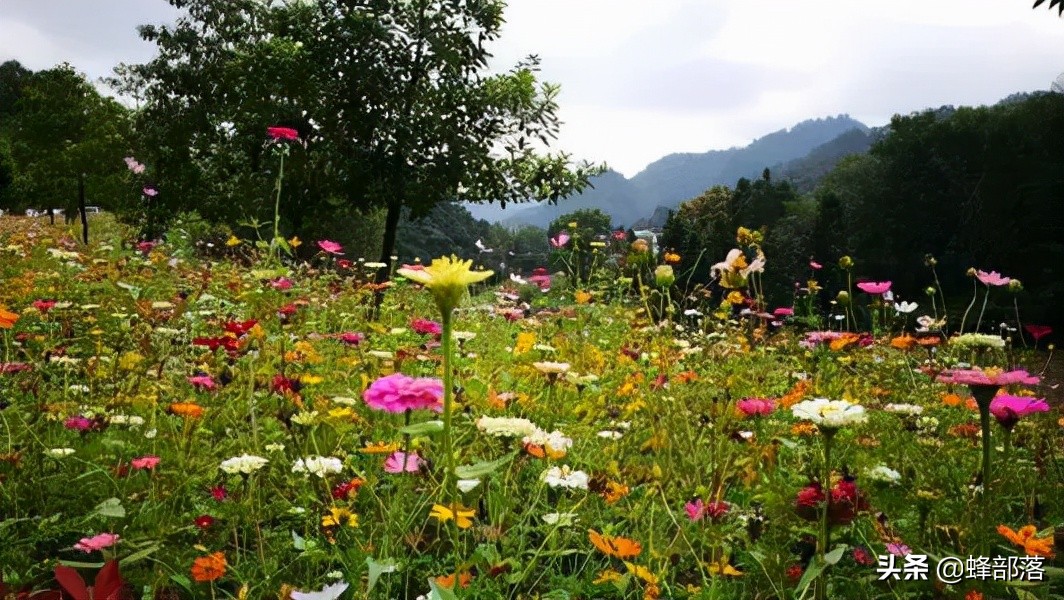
835 555
423 428
376 569
81 565
132 558
440 593
268 273
112 507
132 289
298 542
182 581
480 469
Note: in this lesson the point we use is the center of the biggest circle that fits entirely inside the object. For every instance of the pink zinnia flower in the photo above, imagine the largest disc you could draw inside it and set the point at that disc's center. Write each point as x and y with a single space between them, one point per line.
203 382
980 377
426 327
44 305
330 247
540 281
620 235
396 461
815 265
399 393
695 509
560 240
756 406
874 287
351 338
97 542
783 311
282 133
898 549
992 278
148 462
281 283
1009 409
416 267
146 247
78 423
150 191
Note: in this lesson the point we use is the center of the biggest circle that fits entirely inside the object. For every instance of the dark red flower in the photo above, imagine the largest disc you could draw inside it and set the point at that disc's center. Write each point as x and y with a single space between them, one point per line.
343 263
204 521
351 338
794 573
230 344
287 310
44 305
863 557
345 490
1038 331
426 327
219 493
282 133
283 385
14 367
239 328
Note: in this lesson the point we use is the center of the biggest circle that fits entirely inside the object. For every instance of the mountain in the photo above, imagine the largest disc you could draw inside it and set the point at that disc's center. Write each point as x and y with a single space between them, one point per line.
675 178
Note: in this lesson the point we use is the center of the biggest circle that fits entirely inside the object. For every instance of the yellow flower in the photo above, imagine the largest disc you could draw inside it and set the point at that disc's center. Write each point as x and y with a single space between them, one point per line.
582 297
233 241
295 242
641 572
447 278
463 517
339 516
525 341
722 567
608 576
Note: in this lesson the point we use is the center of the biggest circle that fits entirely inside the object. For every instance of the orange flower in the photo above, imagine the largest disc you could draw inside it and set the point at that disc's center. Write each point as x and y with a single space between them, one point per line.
686 377
188 410
582 297
843 341
209 568
379 448
613 491
614 546
7 318
973 595
1025 538
799 391
447 581
672 258
952 399
803 429
903 342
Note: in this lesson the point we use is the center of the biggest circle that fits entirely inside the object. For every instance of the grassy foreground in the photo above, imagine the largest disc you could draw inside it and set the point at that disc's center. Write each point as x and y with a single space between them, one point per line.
207 424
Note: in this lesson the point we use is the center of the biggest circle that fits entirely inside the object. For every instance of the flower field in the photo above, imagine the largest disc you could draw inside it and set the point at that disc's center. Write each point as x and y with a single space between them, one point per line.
176 426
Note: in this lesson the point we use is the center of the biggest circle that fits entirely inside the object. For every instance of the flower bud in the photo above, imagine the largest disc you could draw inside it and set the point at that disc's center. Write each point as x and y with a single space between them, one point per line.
930 291
929 260
1015 286
845 262
843 298
664 276
971 272
640 245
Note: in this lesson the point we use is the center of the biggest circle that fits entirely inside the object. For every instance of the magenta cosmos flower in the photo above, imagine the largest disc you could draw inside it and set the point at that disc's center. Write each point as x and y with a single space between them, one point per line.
282 133
426 327
203 383
992 278
560 240
399 462
1008 410
756 406
97 542
330 247
874 287
351 338
398 393
698 510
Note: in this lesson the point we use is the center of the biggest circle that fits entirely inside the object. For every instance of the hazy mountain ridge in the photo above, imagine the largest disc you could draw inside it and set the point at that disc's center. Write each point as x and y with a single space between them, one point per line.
675 178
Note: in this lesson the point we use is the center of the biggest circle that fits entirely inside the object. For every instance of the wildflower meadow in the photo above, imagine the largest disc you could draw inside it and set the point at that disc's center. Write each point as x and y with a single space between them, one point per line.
248 426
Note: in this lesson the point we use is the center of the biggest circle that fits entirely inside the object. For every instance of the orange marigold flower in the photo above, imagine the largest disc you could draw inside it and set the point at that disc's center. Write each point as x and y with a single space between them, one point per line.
1026 539
952 399
799 391
7 318
903 342
379 448
582 297
844 341
614 546
973 595
804 428
209 568
187 410
672 258
686 377
613 491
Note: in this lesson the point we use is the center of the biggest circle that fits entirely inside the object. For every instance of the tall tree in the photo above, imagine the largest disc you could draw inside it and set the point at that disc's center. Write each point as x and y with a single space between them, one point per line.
392 98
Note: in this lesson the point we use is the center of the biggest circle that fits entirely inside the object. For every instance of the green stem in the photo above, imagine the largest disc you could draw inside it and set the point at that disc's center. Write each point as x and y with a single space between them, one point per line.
277 210
825 532
979 323
448 408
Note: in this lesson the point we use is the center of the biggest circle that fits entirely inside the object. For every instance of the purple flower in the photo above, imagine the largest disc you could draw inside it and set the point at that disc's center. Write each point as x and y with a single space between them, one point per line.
78 423
1009 409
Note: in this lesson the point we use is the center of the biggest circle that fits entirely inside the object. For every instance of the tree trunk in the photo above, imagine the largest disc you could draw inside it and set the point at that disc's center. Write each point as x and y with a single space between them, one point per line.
51 215
81 209
391 227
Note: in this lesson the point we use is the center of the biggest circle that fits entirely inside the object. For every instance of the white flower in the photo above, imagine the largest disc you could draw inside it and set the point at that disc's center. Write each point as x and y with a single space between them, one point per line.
244 464
928 323
467 484
883 474
274 447
381 354
505 426
610 435
565 477
904 409
151 433
305 417
375 265
829 413
345 401
329 592
59 452
560 519
554 441
318 465
905 307
551 368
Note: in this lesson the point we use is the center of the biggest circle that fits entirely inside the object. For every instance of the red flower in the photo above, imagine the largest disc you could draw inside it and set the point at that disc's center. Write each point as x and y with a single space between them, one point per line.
283 385
239 328
351 338
282 133
1038 331
345 490
862 557
343 263
204 521
794 573
213 343
44 305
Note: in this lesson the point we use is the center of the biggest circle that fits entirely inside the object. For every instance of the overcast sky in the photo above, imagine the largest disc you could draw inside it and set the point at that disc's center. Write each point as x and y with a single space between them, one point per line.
643 78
